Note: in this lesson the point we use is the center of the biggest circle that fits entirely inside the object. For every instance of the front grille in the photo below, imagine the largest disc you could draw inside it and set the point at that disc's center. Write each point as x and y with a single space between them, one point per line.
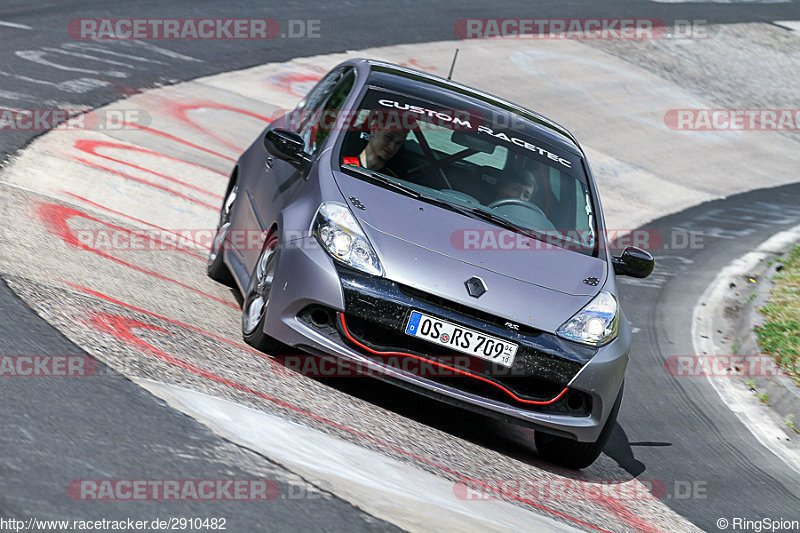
382 339
377 310
463 309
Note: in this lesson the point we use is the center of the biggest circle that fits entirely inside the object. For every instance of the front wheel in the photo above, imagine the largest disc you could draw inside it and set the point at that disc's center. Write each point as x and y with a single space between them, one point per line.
256 299
216 268
573 454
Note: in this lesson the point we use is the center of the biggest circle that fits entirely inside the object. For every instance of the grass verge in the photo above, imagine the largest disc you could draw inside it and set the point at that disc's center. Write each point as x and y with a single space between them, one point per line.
779 335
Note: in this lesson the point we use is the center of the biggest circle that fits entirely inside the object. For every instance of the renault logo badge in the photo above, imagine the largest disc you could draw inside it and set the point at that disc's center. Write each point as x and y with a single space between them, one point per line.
475 287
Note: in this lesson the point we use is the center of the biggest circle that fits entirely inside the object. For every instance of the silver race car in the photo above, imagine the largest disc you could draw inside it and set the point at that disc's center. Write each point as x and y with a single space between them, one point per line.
439 238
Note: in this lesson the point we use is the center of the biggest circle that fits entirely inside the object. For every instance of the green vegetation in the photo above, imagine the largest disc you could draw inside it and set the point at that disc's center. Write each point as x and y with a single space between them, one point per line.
779 335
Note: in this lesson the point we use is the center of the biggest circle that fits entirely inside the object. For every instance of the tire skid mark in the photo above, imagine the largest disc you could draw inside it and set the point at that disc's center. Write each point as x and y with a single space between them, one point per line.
55 220
122 328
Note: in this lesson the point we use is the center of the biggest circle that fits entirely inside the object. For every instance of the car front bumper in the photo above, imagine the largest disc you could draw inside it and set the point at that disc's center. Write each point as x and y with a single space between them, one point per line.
554 386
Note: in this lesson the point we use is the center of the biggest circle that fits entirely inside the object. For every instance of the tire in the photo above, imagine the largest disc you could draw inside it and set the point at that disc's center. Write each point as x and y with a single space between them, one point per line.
215 267
573 454
256 299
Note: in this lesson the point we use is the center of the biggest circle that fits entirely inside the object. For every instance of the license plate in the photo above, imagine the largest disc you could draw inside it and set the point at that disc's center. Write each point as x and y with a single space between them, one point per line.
462 339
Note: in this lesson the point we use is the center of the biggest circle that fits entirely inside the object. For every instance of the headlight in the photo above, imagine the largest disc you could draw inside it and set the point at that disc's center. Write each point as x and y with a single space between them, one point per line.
596 324
337 231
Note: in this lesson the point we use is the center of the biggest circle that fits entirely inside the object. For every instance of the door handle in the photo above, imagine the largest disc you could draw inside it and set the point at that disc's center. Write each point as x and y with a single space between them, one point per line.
269 162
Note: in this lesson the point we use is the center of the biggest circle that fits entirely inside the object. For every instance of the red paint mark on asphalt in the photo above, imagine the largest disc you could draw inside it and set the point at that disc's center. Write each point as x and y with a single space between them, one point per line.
286 81
134 148
90 147
180 110
623 513
129 217
171 137
123 328
145 182
415 63
174 322
55 217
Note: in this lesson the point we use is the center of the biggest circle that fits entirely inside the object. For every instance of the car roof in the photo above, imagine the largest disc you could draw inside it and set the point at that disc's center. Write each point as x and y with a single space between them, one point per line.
400 78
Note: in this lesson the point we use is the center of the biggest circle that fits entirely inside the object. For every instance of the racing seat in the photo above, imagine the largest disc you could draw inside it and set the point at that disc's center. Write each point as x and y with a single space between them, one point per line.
355 141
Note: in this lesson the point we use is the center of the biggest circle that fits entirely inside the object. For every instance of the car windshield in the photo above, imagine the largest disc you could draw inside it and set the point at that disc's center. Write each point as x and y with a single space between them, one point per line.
480 166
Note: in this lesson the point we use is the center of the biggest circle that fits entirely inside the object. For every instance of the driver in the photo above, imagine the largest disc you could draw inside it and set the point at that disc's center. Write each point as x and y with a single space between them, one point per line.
384 144
521 186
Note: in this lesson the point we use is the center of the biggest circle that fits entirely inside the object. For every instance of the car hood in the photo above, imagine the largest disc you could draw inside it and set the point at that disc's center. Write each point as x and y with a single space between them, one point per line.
423 246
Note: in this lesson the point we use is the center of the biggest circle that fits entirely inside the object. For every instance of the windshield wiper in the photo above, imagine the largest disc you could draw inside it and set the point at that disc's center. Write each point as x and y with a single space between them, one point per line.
501 221
385 180
472 212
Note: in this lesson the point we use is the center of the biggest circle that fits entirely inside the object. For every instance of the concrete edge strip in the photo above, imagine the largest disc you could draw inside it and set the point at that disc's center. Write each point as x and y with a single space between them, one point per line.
389 489
743 405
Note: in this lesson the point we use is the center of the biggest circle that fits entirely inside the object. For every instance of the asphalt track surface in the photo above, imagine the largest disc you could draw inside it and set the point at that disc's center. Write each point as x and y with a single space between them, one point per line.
54 428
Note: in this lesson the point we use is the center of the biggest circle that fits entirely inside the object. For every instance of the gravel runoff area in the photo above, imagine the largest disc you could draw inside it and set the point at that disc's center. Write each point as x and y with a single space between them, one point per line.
737 66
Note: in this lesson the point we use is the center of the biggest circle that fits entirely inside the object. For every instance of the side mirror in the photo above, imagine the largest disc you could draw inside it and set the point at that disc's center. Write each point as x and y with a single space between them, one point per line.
634 262
286 145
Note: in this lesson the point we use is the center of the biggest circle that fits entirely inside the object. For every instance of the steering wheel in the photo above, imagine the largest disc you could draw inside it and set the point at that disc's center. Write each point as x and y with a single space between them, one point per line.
519 202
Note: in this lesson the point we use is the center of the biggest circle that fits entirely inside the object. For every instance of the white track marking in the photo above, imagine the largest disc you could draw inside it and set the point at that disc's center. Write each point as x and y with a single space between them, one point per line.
159 50
384 487
37 56
101 50
792 25
87 56
18 97
81 85
15 25
75 86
